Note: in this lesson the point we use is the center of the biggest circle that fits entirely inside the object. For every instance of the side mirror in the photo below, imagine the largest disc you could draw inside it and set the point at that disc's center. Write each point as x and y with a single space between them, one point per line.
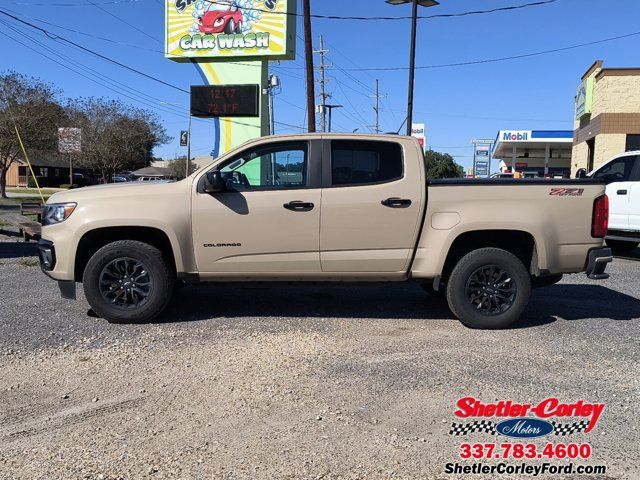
214 183
581 173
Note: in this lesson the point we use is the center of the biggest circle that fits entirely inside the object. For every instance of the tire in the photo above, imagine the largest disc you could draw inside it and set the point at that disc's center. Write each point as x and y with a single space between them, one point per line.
540 282
230 27
239 28
622 245
109 282
473 270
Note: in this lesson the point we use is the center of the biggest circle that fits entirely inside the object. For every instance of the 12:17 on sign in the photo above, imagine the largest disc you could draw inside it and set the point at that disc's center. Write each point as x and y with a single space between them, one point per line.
225 101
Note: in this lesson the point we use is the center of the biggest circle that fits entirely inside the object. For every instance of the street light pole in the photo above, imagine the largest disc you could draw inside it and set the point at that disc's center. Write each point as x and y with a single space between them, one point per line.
412 53
412 66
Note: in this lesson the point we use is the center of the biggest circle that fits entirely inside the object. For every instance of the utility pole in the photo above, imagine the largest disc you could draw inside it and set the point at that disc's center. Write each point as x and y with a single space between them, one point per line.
323 83
308 51
273 89
187 172
377 97
330 108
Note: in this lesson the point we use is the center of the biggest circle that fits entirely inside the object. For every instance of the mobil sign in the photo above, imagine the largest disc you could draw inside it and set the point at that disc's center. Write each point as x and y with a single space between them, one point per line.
418 131
515 135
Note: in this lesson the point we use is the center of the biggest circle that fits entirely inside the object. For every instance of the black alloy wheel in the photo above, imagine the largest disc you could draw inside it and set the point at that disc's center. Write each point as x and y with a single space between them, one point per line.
126 283
491 290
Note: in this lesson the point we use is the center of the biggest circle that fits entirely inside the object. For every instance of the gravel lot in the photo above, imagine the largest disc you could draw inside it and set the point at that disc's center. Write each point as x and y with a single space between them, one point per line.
297 382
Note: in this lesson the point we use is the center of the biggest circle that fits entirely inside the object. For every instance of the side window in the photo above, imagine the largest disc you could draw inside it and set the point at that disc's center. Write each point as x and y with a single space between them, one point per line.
357 162
618 170
274 167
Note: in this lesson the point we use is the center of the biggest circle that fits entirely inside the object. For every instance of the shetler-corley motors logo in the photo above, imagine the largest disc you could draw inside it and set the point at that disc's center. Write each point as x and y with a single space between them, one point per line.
524 420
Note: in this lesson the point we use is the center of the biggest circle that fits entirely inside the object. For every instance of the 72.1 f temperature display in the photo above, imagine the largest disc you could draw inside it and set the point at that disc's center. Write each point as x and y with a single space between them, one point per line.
225 101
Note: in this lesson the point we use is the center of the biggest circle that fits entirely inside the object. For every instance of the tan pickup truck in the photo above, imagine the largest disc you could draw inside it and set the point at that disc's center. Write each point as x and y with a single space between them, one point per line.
325 208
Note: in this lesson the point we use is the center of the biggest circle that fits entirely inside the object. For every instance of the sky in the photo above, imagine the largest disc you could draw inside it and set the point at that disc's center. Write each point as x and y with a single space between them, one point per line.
457 103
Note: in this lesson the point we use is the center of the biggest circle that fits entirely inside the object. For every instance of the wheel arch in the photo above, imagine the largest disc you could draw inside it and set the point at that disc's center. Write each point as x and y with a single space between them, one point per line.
518 242
93 240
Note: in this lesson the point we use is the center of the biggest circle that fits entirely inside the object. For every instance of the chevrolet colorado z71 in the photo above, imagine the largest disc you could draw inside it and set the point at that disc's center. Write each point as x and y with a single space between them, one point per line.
325 208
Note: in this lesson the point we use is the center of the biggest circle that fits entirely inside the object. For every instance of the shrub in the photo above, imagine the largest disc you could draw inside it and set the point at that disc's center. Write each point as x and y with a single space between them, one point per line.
31 183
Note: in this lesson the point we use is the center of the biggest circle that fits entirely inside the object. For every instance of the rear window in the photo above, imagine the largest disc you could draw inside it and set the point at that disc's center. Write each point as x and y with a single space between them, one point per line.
361 162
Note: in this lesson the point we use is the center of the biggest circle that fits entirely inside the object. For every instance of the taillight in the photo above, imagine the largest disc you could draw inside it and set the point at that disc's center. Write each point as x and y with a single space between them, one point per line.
600 222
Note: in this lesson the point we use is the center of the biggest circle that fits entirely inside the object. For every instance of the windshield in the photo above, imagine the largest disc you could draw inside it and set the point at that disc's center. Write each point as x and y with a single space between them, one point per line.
221 6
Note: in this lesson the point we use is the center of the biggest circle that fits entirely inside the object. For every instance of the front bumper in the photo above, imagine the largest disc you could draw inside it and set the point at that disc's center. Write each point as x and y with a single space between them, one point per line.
47 256
597 263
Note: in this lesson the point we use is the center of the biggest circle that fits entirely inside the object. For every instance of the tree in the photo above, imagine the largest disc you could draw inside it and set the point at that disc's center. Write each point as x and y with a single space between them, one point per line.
32 104
115 136
442 165
178 167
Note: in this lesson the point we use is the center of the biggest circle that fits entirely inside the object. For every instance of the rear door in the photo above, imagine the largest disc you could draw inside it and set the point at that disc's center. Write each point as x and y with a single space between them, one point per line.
372 199
618 175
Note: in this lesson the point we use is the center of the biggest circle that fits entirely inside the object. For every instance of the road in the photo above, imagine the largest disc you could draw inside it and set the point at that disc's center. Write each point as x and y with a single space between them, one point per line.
299 382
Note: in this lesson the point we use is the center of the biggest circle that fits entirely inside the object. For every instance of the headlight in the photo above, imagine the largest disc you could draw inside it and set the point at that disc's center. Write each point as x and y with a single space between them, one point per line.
57 213
218 22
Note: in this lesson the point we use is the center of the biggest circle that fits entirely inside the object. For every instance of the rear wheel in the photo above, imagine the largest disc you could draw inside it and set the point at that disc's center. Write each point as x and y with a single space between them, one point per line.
489 288
622 245
128 282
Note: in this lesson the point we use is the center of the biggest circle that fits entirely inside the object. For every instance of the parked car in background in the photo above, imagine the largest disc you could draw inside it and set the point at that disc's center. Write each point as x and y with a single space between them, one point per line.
123 177
622 176
361 209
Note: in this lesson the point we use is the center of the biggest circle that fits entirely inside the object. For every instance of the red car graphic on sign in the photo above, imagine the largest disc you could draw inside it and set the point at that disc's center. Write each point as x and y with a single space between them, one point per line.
224 16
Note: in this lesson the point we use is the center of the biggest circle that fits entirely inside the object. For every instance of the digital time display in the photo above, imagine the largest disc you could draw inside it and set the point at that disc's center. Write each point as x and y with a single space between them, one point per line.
225 101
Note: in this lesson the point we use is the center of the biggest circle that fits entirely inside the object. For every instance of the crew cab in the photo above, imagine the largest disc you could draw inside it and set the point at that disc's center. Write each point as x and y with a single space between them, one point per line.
622 176
325 208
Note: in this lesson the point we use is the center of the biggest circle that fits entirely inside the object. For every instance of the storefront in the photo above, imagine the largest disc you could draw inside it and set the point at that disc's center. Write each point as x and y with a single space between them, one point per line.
534 153
607 115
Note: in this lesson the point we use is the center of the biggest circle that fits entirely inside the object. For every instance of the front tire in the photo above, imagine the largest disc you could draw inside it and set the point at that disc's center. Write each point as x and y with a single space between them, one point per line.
128 282
230 27
489 289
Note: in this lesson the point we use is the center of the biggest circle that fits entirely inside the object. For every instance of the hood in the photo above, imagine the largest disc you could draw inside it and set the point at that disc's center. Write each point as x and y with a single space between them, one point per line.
117 190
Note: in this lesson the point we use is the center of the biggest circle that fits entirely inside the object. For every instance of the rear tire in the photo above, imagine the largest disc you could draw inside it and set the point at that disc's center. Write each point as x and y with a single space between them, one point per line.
489 289
622 246
110 277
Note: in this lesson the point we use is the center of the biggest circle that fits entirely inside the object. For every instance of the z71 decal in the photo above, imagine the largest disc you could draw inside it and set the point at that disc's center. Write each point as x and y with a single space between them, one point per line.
567 192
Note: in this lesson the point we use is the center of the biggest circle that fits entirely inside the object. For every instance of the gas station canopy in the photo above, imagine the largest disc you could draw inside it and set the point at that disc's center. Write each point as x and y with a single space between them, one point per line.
534 153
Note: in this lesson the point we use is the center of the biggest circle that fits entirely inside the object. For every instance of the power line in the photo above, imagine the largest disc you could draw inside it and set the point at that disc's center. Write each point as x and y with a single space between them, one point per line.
54 36
386 18
104 39
500 59
122 20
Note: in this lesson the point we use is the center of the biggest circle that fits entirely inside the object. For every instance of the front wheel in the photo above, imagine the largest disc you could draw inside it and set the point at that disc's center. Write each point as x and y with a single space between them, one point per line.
128 282
488 289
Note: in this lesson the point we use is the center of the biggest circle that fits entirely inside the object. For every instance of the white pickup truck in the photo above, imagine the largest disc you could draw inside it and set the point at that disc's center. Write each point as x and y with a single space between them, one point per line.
325 208
622 176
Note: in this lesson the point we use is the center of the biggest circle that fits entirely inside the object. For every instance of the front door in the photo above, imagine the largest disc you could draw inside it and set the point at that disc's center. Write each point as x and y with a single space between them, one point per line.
618 174
371 206
268 220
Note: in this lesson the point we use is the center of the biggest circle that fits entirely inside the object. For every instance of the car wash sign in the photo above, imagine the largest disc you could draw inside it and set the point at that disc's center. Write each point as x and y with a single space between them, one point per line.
225 29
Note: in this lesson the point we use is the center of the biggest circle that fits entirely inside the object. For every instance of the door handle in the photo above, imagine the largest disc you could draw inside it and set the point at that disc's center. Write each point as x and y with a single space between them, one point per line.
622 192
298 206
395 202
